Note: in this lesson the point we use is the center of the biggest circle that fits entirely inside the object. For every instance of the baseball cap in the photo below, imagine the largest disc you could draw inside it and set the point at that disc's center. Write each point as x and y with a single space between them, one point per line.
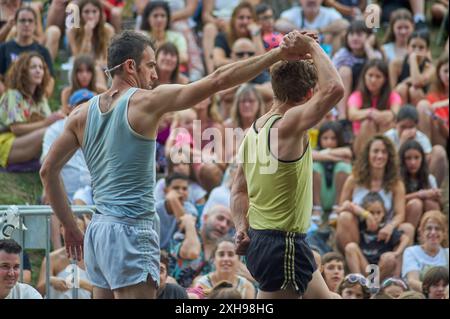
80 96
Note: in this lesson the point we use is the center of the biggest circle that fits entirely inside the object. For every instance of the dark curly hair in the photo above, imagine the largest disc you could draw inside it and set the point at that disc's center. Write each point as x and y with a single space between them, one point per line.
18 77
361 169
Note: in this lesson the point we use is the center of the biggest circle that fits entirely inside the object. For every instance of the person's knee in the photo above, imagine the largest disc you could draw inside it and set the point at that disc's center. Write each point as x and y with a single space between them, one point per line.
438 154
408 229
53 32
388 260
415 205
368 126
210 28
346 219
351 249
345 72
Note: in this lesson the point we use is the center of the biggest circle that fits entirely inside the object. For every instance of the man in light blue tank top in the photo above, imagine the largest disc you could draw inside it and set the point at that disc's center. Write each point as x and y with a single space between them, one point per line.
116 131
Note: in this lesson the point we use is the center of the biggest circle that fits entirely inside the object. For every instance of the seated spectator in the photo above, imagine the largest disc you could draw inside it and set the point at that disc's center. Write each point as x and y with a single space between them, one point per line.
84 76
193 255
226 264
394 287
331 168
10 288
350 9
371 249
360 47
196 194
433 111
354 286
435 282
244 48
417 260
184 13
422 192
406 129
333 270
168 290
24 111
168 65
242 25
60 270
375 170
26 22
411 75
401 25
93 35
216 16
373 107
156 24
265 18
248 106
311 15
173 208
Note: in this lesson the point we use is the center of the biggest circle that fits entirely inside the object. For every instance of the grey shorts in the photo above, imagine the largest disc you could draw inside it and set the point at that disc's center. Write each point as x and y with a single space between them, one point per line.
121 252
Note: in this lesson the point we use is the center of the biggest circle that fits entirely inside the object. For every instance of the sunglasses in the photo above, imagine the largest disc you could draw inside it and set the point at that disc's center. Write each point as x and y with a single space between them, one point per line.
394 281
244 53
356 278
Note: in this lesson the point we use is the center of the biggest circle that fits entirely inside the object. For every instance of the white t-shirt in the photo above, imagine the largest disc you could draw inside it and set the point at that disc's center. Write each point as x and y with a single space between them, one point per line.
23 291
325 17
415 259
420 138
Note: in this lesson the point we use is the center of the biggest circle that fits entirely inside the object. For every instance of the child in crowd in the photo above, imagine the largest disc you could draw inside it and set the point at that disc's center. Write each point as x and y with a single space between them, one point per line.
354 286
394 287
333 269
386 254
173 207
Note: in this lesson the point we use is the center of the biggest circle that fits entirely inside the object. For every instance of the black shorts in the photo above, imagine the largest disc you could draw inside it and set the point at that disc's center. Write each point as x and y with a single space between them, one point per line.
277 259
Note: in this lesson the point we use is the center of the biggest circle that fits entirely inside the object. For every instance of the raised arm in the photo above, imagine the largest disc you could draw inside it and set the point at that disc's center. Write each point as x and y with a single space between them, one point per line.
60 153
239 208
330 91
169 98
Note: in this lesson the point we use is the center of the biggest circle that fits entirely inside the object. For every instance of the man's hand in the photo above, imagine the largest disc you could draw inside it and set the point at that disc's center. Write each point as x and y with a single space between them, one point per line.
187 220
242 242
296 45
73 239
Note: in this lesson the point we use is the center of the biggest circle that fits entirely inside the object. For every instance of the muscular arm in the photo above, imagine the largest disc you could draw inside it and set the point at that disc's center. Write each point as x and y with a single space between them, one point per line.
239 201
299 119
60 153
169 98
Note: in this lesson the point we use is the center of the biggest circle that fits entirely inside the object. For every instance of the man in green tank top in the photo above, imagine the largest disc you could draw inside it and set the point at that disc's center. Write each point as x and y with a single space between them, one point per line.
271 197
117 131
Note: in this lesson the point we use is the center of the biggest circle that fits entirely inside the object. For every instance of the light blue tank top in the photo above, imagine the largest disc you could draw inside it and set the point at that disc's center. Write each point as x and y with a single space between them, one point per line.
121 162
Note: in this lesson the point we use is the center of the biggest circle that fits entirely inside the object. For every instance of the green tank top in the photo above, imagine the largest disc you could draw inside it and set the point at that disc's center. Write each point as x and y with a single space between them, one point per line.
280 192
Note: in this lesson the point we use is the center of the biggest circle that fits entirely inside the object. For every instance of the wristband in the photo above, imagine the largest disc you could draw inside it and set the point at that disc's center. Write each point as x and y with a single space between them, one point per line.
365 214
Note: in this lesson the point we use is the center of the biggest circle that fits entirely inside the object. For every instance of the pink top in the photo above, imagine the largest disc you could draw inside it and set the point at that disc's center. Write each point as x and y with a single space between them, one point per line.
355 101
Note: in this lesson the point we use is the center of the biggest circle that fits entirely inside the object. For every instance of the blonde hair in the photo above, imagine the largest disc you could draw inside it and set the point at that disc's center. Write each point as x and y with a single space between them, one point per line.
438 217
